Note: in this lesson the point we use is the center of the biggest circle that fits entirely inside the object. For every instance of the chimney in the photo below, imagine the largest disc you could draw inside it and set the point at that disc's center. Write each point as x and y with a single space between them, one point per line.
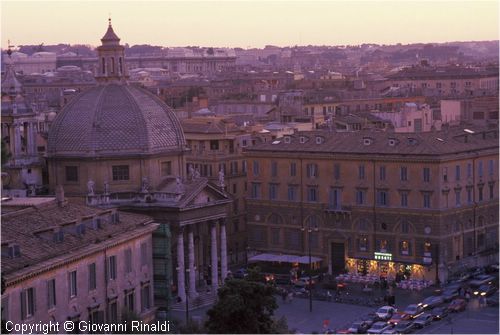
60 196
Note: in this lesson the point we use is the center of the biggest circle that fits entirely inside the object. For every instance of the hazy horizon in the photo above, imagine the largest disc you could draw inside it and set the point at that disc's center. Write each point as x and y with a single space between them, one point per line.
247 24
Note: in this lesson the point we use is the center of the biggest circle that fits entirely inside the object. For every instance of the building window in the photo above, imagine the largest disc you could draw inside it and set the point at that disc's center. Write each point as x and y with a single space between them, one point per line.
72 284
445 174
112 267
491 167
469 195
273 191
480 169
360 197
335 198
145 297
293 169
120 172
144 253
336 171
427 200
382 198
427 174
383 245
480 193
51 293
469 170
492 190
405 227
457 198
28 303
256 169
256 190
312 193
312 170
166 168
128 260
382 173
292 193
404 173
404 199
275 235
72 173
129 300
214 145
92 277
361 172
427 249
363 244
244 167
405 248
457 172
274 169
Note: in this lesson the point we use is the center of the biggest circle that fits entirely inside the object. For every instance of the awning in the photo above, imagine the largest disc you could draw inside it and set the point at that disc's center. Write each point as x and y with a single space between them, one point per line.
283 258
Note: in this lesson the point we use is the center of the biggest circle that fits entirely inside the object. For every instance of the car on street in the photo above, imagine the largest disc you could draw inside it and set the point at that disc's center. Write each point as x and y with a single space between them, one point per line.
370 318
413 310
385 312
404 327
438 313
481 280
398 317
457 305
450 293
485 290
304 281
379 327
423 320
432 301
359 327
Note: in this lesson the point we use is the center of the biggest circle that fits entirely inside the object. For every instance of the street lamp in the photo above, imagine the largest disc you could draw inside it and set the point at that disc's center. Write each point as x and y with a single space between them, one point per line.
309 232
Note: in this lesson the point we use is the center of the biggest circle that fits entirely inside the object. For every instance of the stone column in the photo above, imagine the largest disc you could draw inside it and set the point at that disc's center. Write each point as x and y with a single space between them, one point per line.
17 139
223 250
192 272
213 247
181 281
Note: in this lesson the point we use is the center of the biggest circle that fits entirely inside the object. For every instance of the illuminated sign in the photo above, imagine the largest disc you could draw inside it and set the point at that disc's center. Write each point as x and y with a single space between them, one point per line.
383 256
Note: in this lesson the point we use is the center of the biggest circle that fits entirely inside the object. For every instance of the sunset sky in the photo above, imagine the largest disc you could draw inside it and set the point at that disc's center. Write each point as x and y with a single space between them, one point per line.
249 23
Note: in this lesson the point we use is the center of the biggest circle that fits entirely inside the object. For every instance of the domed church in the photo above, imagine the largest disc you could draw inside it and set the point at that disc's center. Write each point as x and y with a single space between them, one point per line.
118 145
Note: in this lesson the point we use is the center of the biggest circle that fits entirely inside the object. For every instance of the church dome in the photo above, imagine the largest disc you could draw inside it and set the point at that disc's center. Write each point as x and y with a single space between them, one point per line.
113 120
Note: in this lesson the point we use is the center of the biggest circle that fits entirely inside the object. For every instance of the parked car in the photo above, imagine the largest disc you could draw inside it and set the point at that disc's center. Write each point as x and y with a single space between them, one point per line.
413 310
385 312
450 293
398 317
423 320
379 327
439 313
240 273
370 318
485 290
457 305
432 301
304 281
359 327
404 327
481 280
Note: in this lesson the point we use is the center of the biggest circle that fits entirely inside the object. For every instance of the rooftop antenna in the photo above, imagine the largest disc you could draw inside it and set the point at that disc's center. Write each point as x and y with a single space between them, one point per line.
109 19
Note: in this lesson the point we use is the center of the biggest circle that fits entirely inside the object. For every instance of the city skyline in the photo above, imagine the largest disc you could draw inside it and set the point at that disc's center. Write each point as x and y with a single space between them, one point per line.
250 24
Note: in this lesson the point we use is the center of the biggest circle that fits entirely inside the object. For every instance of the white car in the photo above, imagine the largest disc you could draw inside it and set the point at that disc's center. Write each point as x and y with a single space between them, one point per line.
385 312
379 327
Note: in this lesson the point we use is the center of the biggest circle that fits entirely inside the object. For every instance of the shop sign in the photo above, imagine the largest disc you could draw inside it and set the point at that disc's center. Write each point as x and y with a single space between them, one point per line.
427 260
383 256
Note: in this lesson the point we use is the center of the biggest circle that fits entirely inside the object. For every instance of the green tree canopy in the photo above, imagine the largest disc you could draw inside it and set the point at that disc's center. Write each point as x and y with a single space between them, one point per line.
244 307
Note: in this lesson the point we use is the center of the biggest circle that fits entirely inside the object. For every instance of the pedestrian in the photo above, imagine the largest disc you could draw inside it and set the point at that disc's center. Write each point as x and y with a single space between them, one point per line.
328 295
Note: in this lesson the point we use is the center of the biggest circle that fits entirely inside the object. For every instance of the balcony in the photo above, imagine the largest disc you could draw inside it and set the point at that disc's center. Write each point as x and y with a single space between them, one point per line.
339 211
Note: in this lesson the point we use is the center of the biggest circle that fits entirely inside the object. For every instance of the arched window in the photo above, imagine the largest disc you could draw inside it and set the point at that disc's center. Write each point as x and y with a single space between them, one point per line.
113 65
275 219
103 66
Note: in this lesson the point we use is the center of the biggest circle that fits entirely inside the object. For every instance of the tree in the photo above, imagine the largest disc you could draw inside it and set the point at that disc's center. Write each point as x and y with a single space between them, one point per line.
243 307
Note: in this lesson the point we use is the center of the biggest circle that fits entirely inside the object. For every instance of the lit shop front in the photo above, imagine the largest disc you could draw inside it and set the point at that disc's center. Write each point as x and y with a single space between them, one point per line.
382 264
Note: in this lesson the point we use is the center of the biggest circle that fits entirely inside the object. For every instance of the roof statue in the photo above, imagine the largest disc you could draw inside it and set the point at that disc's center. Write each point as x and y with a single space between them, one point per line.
221 178
90 187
